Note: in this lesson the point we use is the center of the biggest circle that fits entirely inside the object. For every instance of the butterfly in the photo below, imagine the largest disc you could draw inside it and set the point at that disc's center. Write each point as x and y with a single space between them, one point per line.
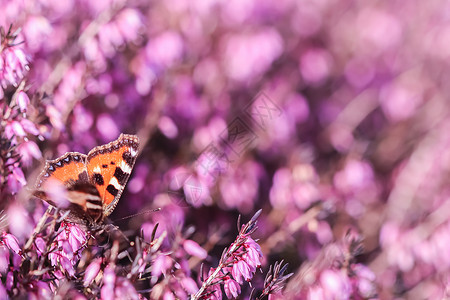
93 183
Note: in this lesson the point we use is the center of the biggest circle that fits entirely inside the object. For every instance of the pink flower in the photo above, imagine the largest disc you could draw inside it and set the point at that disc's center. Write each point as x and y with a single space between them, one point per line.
43 290
67 265
29 150
335 284
16 179
14 128
216 292
68 244
253 254
4 259
9 280
109 278
11 242
40 245
194 249
247 55
125 290
77 237
232 288
92 271
244 269
129 23
161 265
23 101
189 285
3 293
165 49
315 65
13 61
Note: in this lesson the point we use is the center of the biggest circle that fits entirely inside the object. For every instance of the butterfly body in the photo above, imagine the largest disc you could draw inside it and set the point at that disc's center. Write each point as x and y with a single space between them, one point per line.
93 182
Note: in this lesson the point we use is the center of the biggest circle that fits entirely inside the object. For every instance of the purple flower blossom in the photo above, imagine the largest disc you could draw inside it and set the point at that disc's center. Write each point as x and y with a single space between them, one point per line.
11 242
4 259
23 101
232 288
92 271
233 261
13 61
161 265
67 247
194 249
109 279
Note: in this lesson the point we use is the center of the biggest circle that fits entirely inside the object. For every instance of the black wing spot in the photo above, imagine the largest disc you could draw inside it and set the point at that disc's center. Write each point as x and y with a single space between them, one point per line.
98 179
112 190
113 163
121 176
128 158
105 166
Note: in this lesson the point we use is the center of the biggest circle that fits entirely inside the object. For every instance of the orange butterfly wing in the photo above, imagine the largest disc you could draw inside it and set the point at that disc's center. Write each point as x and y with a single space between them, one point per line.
69 168
109 167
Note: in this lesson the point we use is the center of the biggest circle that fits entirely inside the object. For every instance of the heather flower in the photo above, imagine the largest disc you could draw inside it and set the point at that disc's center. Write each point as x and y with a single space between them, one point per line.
241 269
161 265
196 191
11 242
41 246
215 293
232 288
275 281
164 50
124 289
16 179
9 280
246 56
233 261
42 290
189 285
4 259
115 287
239 186
92 271
3 293
296 186
365 281
28 150
14 128
23 101
315 65
335 284
67 247
194 249
109 279
13 60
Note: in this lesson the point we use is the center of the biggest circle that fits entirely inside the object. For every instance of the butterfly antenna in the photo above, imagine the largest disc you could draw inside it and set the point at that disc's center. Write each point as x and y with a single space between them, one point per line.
138 214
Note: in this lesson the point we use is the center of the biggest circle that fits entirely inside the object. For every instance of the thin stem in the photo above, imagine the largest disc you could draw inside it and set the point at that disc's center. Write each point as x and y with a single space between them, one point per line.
213 276
37 229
